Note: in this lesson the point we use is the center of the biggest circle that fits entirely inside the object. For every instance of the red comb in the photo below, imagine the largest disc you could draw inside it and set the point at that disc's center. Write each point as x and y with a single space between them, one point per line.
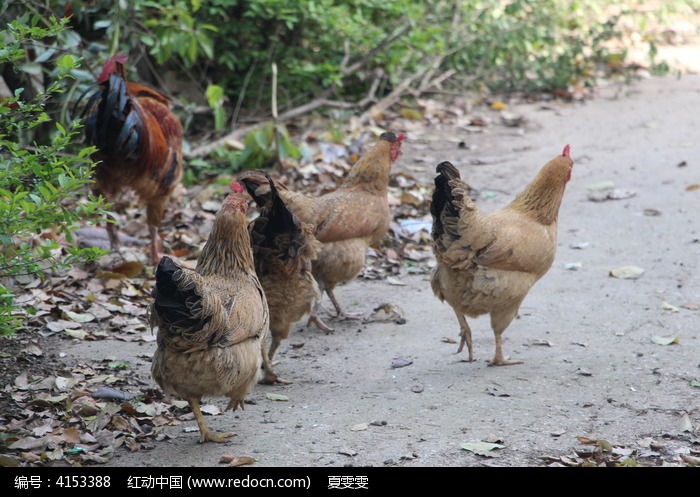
121 58
110 66
565 153
236 187
401 137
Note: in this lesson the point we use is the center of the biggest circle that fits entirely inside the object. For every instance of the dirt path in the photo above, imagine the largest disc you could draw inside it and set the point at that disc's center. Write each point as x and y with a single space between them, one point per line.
591 368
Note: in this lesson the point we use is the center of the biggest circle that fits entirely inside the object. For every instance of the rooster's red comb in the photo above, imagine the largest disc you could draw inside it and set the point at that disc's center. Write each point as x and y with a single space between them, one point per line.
110 66
566 151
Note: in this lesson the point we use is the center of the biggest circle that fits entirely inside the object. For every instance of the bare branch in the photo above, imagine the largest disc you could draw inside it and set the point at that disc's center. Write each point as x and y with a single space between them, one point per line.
241 95
369 55
239 133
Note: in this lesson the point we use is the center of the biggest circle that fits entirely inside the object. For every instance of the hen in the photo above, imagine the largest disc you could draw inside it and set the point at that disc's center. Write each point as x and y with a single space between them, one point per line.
139 143
487 263
348 220
283 249
211 321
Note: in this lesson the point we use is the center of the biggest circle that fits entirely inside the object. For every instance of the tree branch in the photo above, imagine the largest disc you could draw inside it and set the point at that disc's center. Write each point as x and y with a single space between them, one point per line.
345 70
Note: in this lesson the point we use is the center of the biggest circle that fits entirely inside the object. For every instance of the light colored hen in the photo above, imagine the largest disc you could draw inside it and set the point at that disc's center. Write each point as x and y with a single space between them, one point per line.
487 263
211 321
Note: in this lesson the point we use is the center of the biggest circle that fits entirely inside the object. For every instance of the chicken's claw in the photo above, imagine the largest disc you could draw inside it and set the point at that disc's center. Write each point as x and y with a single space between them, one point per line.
212 436
271 378
346 316
504 362
234 404
318 322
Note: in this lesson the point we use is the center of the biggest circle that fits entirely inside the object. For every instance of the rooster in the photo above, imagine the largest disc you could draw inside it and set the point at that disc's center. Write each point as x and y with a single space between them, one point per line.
487 263
212 321
139 142
348 220
283 249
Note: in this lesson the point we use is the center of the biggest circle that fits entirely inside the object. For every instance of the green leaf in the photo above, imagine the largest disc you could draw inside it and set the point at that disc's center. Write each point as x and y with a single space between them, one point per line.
215 95
118 365
66 62
31 68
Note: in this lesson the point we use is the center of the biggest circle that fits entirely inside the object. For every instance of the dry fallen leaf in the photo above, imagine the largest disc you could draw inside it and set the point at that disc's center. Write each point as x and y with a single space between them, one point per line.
669 307
627 272
401 362
386 313
482 448
410 113
277 397
659 340
71 435
695 461
28 443
210 409
686 424
8 461
233 461
130 269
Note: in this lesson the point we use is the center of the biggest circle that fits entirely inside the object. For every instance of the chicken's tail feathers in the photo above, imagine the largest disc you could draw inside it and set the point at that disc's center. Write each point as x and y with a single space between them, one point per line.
260 186
278 233
447 170
113 122
444 194
281 220
450 198
176 300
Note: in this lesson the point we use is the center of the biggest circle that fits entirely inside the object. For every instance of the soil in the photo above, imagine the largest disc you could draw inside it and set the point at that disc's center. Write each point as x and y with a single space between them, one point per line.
592 365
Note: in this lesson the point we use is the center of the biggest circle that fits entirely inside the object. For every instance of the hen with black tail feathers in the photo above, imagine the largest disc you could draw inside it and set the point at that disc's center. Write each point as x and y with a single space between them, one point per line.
347 220
211 321
284 249
487 263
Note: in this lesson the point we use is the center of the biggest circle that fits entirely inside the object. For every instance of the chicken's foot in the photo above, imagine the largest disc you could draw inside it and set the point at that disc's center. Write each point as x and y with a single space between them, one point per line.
271 377
339 312
155 254
498 359
206 434
466 336
114 239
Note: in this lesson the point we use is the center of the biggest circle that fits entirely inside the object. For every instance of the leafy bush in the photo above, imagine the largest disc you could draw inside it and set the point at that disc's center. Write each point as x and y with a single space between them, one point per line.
347 51
38 181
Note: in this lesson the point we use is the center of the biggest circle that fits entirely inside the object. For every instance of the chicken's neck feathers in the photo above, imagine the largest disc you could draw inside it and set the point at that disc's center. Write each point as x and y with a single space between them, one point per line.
371 171
228 248
541 199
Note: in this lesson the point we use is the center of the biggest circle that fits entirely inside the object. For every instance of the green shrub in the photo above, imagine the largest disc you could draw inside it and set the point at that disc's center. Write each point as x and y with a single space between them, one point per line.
38 181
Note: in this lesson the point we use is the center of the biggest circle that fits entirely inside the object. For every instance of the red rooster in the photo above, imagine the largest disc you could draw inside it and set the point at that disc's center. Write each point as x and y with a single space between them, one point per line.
139 143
